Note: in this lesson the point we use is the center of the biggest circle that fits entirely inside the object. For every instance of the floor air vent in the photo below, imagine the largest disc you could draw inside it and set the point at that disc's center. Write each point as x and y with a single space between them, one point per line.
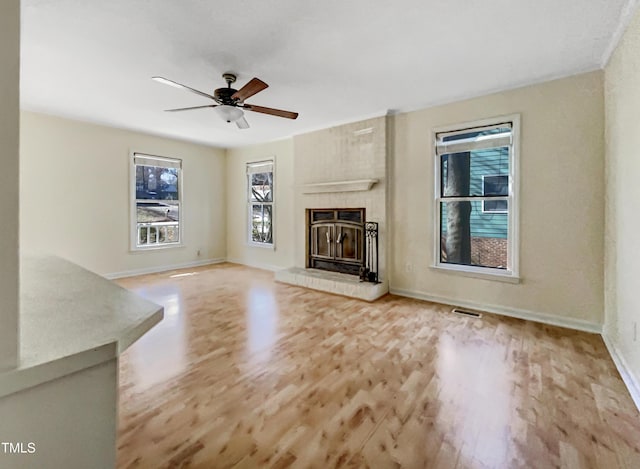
463 312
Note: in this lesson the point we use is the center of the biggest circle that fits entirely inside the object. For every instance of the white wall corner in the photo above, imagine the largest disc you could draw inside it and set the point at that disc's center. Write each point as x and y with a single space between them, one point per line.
162 268
626 16
544 318
632 382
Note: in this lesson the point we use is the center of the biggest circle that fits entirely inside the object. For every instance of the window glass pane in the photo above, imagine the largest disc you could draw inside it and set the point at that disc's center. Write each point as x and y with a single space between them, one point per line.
158 234
158 223
158 183
261 187
471 236
143 235
153 234
261 227
171 233
496 185
154 212
463 174
494 206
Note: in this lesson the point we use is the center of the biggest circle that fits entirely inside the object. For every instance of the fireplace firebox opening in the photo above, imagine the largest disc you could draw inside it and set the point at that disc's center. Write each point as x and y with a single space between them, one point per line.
336 239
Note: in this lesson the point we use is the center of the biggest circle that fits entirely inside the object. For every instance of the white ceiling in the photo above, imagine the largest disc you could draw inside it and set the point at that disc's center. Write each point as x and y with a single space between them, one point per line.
333 61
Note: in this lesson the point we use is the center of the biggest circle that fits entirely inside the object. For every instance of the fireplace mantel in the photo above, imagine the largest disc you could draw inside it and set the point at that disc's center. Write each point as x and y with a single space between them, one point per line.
339 186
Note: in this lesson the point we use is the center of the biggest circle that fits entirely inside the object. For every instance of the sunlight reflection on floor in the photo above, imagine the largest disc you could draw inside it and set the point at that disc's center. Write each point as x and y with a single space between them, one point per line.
161 353
467 379
262 323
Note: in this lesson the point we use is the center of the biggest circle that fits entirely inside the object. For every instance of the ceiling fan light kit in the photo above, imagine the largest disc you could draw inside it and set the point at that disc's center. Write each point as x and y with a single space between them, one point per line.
230 102
229 113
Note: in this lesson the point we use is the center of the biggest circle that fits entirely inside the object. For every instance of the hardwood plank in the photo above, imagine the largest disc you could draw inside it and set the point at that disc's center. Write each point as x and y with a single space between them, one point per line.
246 372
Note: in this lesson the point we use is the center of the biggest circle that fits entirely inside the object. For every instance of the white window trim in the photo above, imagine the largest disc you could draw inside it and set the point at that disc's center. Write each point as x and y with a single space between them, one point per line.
251 242
512 272
505 198
133 225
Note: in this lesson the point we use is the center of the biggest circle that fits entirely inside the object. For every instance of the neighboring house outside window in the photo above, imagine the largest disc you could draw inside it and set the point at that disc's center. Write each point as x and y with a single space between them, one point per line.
495 185
476 209
156 202
260 194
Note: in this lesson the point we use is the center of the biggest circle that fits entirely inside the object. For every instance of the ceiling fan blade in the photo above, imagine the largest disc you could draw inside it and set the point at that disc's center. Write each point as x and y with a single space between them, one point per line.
242 123
254 86
175 84
272 111
189 108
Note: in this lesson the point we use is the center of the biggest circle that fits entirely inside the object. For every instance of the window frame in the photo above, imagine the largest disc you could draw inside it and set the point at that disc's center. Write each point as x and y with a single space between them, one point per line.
483 193
512 272
133 227
250 203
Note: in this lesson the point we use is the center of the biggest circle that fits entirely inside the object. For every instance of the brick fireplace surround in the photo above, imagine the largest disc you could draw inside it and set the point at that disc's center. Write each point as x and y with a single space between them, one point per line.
340 168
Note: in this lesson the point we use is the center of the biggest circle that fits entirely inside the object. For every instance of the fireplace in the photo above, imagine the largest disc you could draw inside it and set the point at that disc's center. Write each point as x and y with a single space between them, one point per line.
340 177
336 239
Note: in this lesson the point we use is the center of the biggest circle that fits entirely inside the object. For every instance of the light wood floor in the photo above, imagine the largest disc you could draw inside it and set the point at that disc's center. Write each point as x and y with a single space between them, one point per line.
245 372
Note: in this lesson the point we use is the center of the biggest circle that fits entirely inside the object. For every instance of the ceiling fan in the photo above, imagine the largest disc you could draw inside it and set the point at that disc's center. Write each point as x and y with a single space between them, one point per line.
230 102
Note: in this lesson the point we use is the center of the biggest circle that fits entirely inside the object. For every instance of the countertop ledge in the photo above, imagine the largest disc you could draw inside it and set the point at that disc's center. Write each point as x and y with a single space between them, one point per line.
71 319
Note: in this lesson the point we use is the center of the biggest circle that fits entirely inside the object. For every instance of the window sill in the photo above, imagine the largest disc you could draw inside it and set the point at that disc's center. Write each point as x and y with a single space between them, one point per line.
156 248
498 275
261 245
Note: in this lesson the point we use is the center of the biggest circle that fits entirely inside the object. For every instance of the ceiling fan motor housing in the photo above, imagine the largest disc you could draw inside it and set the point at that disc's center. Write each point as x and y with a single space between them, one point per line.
223 96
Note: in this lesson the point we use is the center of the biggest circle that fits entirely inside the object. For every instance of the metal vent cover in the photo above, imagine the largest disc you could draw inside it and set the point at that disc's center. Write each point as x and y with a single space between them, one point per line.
463 312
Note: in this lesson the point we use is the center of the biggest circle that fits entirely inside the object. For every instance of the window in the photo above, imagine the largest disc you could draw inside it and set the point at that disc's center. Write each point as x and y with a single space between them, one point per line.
156 200
495 185
476 208
260 198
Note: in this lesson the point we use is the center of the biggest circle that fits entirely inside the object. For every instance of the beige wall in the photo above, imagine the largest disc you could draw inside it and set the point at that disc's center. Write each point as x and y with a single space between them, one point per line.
561 203
622 251
238 249
75 195
9 139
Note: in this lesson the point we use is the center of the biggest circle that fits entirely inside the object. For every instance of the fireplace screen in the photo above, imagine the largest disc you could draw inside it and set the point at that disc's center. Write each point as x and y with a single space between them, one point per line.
335 239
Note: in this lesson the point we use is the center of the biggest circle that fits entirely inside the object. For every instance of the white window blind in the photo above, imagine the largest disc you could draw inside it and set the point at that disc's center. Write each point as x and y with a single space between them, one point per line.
260 167
150 160
445 143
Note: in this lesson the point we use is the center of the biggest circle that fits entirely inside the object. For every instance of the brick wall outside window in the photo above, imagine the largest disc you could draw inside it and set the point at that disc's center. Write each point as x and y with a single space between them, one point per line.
490 252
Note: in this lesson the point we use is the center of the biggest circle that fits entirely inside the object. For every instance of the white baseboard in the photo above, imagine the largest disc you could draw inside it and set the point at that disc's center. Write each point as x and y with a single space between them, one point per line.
257 265
161 268
544 318
632 382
